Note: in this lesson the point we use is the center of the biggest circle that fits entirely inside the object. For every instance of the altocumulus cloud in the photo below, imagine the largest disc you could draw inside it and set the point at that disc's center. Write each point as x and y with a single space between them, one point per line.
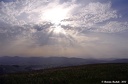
84 28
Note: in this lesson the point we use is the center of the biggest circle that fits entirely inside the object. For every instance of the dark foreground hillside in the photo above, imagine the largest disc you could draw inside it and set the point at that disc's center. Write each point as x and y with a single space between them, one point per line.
86 74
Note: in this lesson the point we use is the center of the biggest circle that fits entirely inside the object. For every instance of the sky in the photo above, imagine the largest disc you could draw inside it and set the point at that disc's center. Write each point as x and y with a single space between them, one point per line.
64 28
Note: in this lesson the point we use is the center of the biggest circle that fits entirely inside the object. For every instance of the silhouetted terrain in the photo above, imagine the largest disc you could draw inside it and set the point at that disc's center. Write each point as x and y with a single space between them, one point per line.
20 64
6 60
82 74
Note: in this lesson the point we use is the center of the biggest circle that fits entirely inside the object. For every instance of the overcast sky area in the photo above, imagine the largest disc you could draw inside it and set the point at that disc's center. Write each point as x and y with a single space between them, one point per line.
65 28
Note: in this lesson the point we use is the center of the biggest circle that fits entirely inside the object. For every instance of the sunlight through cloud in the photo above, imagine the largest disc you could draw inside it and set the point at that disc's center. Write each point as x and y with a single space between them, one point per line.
55 15
66 24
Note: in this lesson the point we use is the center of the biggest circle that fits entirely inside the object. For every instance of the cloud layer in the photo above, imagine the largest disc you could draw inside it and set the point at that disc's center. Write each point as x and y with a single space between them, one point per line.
25 29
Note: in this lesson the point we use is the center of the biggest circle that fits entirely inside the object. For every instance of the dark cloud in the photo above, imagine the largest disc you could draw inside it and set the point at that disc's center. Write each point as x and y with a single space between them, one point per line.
7 0
43 26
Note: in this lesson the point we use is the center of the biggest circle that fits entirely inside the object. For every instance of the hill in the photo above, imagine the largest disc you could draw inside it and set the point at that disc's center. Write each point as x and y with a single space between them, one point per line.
21 64
83 74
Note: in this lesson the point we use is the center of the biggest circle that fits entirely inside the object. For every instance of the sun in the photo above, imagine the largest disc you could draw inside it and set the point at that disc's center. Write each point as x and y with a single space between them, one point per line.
55 15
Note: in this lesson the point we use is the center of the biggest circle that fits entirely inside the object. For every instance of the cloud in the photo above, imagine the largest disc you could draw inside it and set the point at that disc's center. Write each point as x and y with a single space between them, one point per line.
81 17
97 17
22 24
20 12
92 14
112 27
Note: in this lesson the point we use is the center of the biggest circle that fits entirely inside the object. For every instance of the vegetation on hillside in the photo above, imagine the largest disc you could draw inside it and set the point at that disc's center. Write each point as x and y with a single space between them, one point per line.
84 74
